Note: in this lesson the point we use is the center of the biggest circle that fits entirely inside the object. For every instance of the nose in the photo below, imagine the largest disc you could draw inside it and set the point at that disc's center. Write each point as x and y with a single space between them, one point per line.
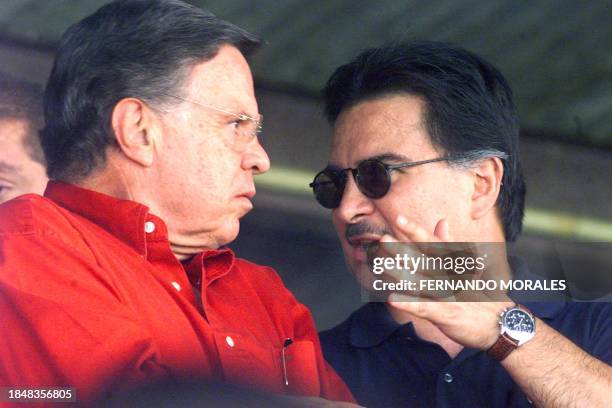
255 158
354 204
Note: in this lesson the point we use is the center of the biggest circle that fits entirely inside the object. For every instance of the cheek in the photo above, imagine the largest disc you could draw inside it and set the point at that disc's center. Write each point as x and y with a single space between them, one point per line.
339 226
420 204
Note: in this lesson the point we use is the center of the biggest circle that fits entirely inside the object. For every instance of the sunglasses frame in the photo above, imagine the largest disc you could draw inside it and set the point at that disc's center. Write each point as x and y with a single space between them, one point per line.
356 176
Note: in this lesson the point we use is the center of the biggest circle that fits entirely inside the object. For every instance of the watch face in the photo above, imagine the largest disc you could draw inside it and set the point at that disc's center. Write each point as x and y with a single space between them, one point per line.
519 325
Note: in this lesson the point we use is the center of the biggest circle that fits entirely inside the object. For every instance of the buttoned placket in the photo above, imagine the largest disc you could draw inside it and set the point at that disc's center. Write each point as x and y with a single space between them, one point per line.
157 249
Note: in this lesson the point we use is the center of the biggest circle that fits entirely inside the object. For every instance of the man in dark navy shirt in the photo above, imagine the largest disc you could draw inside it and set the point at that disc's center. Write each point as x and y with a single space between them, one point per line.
426 150
387 364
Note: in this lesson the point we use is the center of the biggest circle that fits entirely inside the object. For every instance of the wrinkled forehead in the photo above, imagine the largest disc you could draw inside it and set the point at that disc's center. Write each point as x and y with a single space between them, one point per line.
389 124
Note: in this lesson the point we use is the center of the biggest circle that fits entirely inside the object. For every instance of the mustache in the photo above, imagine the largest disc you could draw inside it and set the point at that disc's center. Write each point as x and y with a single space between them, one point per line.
364 228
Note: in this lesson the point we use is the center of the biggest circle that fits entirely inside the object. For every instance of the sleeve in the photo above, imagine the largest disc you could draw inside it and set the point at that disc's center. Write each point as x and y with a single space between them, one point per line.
64 325
601 332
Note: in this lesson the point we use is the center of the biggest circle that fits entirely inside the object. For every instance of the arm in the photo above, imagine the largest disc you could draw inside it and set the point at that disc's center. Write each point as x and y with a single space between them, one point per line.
64 325
550 368
554 372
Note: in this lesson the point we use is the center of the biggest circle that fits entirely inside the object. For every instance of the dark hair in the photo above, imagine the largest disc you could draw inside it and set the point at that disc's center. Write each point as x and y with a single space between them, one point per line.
468 106
23 101
132 48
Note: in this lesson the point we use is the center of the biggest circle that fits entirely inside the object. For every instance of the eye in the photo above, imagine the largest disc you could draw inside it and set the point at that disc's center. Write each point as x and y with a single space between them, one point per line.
237 123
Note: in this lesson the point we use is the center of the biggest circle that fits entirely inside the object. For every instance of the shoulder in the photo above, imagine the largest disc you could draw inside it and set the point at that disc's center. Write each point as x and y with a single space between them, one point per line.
32 218
336 337
31 214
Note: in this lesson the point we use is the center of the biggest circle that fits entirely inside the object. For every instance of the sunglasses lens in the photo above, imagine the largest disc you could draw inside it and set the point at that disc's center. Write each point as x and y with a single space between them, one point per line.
328 187
373 178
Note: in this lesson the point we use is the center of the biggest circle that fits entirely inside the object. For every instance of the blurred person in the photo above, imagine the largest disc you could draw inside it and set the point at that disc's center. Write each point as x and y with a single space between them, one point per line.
426 150
22 162
117 277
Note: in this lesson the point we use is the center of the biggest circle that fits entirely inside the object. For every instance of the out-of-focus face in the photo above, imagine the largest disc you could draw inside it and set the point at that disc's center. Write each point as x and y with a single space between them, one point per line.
206 170
391 127
19 173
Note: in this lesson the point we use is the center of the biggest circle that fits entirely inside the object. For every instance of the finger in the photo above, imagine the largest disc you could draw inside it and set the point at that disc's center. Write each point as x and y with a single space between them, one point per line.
409 231
413 305
396 246
388 239
442 232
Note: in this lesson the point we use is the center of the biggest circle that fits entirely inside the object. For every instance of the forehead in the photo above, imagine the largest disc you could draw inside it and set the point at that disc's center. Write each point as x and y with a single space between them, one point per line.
225 79
389 124
12 139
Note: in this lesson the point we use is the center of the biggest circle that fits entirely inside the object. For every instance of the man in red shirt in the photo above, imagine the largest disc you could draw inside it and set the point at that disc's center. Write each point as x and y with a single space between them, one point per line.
117 277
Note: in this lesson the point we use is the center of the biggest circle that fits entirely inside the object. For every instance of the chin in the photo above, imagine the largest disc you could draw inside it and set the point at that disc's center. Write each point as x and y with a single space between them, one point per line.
230 233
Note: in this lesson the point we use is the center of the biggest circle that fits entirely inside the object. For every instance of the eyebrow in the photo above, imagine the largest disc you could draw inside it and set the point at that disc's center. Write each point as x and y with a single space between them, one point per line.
390 157
6 167
383 157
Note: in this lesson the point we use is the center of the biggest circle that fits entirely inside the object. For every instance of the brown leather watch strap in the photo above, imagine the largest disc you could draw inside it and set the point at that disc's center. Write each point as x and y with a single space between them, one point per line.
502 347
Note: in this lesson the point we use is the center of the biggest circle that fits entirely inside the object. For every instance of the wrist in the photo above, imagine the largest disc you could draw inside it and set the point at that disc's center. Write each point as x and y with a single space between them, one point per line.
517 327
494 330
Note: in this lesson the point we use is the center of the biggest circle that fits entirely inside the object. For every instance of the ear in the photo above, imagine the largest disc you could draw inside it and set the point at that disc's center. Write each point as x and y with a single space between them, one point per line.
135 127
488 175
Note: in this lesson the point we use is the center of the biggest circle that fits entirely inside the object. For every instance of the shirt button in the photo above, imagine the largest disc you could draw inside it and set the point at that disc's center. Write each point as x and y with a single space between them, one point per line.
230 341
149 227
176 286
448 378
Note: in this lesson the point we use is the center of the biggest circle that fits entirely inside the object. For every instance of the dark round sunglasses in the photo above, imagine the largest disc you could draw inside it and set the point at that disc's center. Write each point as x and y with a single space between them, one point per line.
373 178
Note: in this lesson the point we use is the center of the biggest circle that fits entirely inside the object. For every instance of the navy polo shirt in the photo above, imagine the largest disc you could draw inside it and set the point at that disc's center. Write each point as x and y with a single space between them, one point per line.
386 364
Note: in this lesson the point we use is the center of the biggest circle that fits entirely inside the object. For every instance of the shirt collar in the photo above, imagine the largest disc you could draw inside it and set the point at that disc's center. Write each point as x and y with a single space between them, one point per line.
372 324
122 218
208 266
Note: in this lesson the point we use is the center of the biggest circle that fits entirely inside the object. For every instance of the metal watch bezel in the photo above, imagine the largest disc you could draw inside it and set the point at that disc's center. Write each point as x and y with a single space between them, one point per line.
521 337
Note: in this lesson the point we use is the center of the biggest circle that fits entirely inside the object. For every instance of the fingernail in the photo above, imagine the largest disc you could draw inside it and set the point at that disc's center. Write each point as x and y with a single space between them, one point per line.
386 238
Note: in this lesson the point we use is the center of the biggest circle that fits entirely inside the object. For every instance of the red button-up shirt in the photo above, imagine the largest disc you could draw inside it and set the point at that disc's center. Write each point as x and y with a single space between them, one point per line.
92 297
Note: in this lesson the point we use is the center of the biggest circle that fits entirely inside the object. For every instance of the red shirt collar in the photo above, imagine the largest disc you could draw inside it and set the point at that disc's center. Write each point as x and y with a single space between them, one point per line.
126 220
122 218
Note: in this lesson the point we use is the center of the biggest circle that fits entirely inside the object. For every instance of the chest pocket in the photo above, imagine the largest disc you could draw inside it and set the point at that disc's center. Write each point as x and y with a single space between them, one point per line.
302 375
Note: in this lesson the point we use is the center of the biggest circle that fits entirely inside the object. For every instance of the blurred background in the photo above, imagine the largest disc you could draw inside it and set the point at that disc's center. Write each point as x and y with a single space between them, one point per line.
556 54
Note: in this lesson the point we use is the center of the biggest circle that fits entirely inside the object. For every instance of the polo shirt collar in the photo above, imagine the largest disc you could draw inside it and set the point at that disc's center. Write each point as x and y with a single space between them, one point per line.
372 324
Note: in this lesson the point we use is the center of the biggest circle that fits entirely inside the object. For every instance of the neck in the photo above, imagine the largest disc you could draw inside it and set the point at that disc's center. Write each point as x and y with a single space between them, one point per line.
113 181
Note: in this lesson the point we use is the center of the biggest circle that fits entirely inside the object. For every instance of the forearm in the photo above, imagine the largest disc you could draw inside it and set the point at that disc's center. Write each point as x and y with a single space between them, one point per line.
554 372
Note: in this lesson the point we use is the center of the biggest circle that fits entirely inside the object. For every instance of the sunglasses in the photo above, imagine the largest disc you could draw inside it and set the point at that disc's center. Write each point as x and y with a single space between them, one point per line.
373 178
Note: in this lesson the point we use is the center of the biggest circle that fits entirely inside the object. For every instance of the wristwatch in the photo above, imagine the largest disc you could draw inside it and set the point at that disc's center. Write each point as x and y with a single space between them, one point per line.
517 328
